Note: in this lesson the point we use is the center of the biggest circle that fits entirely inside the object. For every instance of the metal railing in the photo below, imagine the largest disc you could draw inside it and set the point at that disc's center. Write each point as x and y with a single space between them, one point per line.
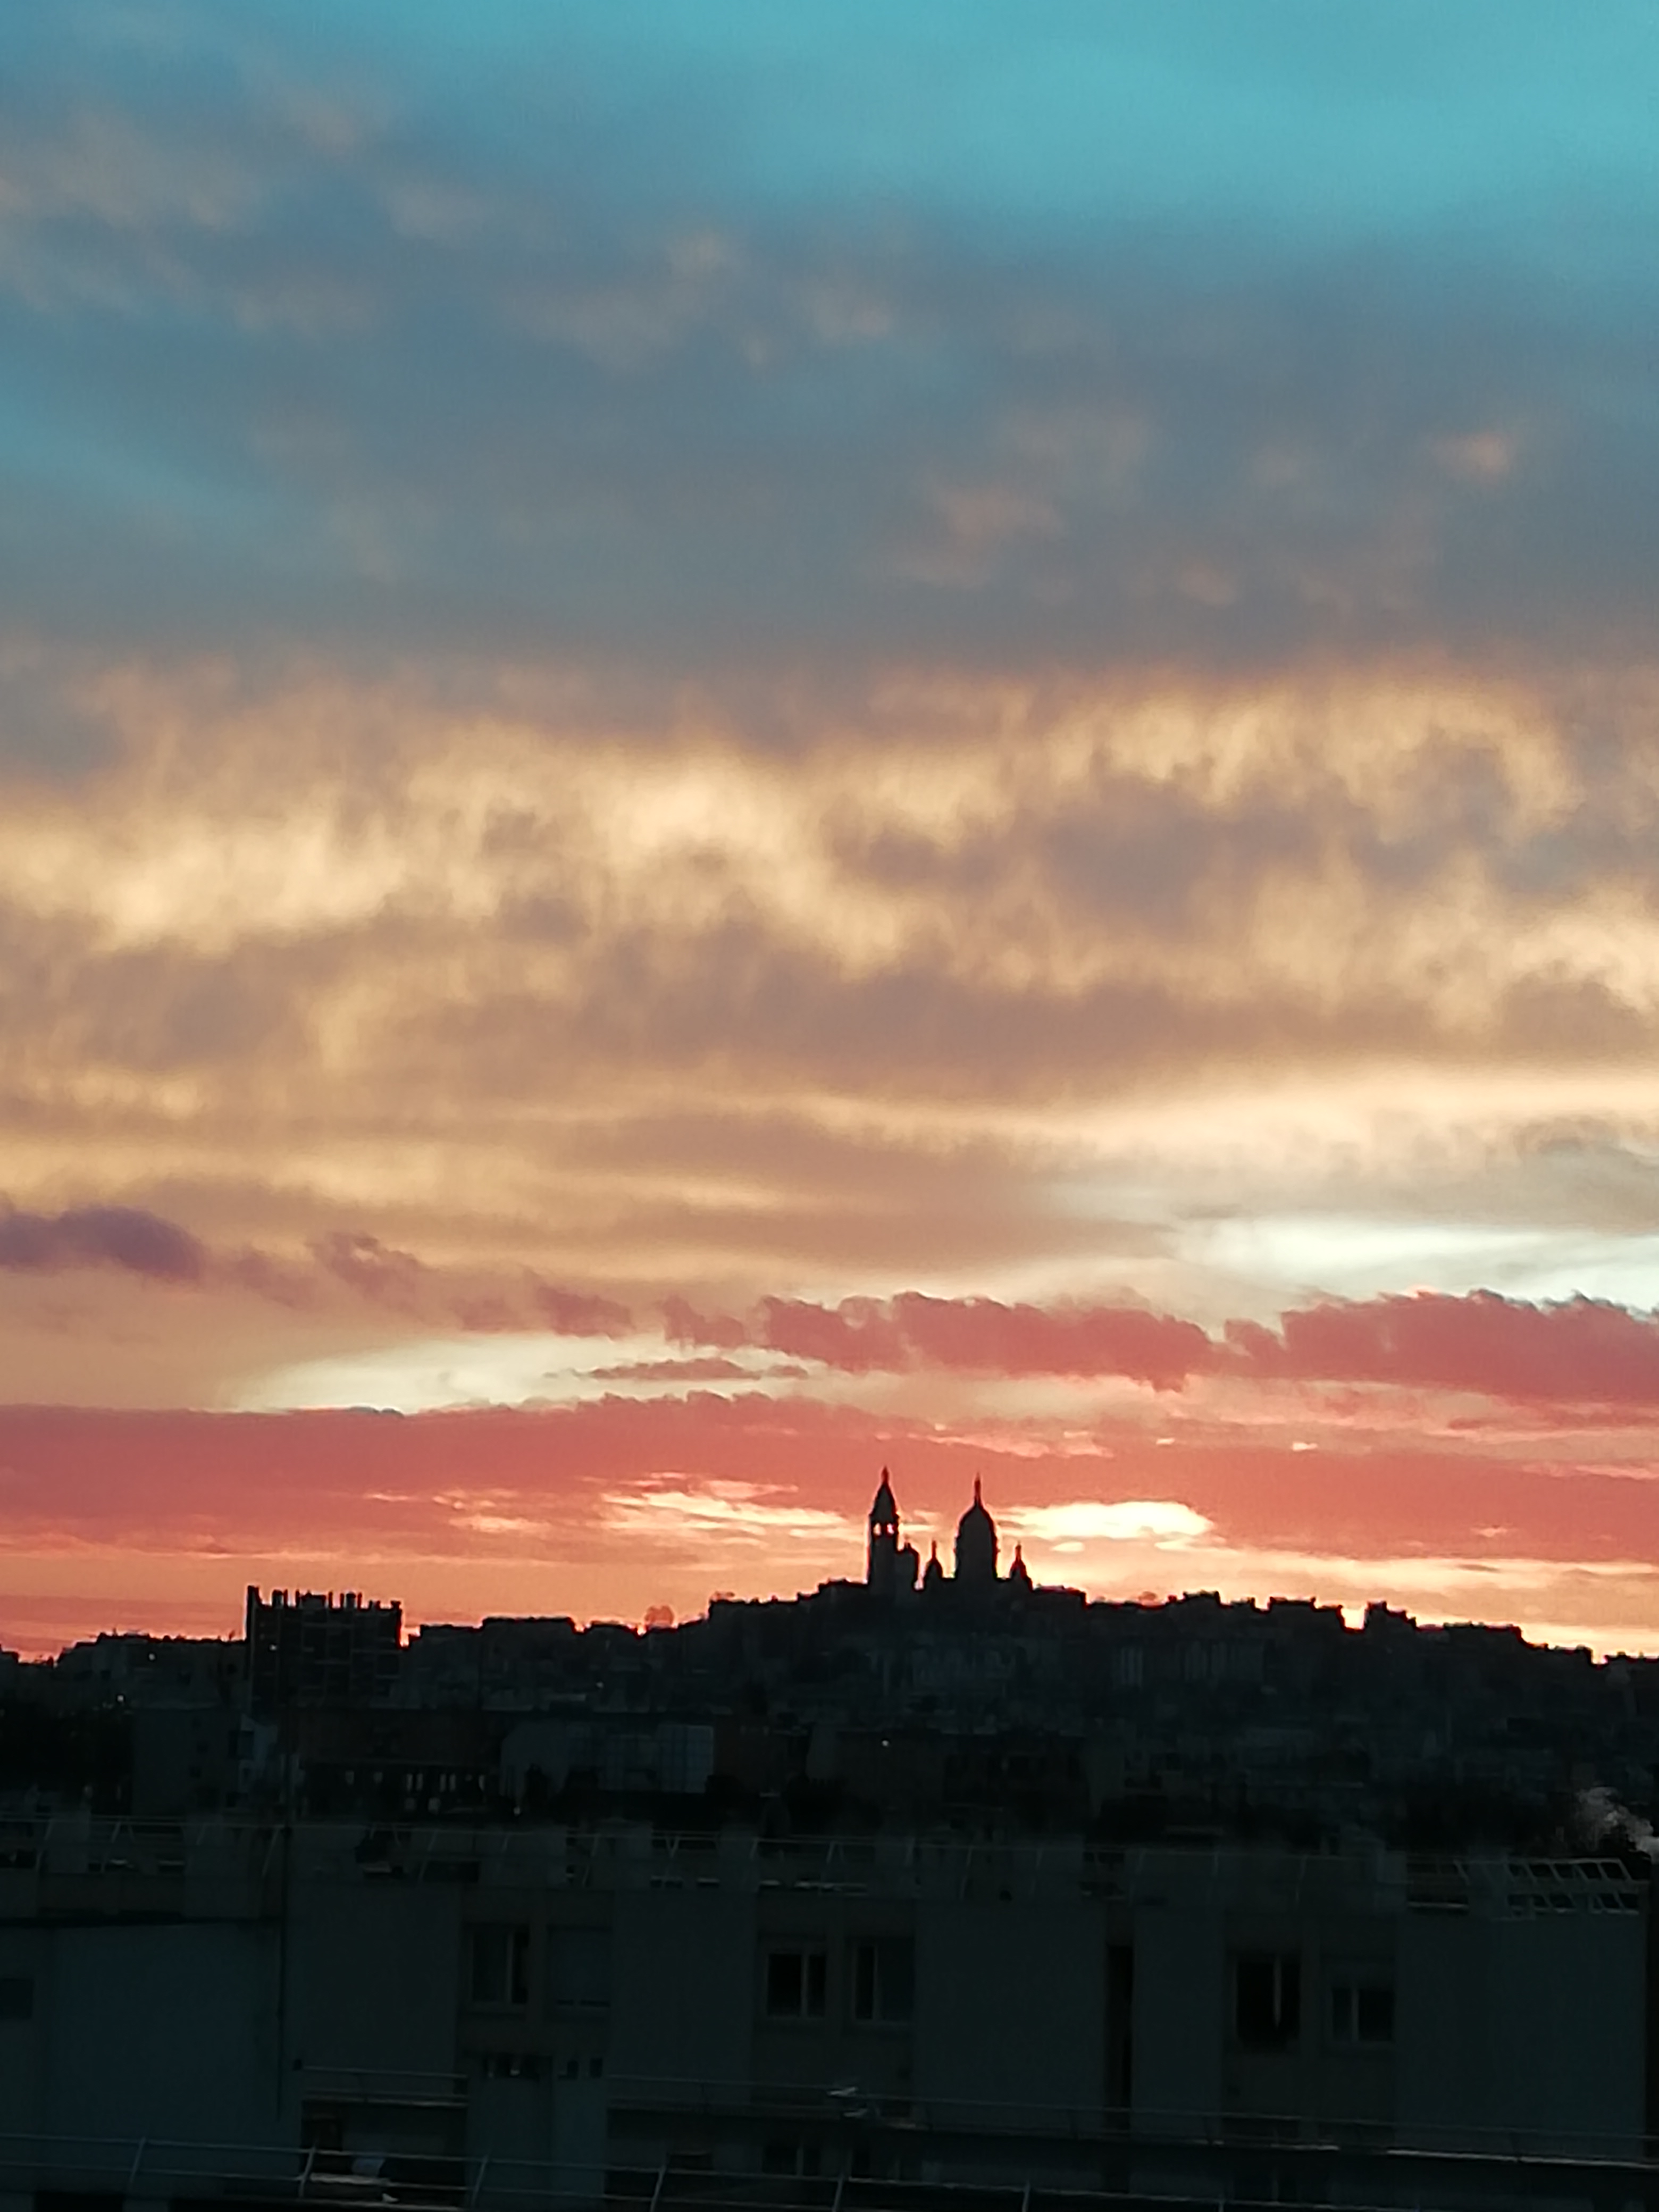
225 1849
1168 2172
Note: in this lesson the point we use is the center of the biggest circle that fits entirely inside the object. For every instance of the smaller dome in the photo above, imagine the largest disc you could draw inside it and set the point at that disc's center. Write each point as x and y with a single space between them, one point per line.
932 1574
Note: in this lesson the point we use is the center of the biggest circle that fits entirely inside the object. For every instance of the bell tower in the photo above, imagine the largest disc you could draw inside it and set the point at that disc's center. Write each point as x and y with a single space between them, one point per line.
881 1572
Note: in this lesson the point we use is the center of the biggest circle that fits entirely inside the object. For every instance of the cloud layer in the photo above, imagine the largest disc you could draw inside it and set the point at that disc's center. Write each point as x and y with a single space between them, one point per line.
585 335
724 738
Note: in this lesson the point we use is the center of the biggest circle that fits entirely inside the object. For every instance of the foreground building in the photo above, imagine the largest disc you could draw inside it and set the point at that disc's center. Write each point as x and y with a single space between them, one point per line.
496 2014
913 1889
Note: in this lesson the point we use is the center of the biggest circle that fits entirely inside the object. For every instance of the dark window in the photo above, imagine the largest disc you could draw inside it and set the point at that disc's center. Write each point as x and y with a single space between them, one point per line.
579 1965
784 2155
796 1982
884 1979
499 1972
16 1996
1362 2012
511 2066
1267 1999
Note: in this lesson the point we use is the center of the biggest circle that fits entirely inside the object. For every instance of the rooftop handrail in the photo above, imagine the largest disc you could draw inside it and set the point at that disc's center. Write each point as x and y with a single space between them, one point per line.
59 1845
42 2157
1093 2120
199 1829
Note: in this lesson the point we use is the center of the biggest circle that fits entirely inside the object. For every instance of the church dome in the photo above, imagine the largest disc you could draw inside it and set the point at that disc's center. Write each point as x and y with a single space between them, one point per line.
977 1544
884 1512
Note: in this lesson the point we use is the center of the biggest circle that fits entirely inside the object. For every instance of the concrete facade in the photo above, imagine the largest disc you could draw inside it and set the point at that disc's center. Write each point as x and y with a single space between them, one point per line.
538 2006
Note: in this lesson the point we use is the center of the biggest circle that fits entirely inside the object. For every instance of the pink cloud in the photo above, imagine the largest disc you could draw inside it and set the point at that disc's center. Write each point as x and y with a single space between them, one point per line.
683 1323
379 1486
375 1271
977 1335
1580 1350
855 1337
713 1367
981 1334
579 1313
1584 1353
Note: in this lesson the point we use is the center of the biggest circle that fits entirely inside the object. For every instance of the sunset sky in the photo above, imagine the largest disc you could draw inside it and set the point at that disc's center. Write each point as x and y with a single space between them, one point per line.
740 740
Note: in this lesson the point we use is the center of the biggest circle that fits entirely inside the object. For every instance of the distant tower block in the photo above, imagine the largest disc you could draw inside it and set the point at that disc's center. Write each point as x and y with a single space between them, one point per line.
892 1567
976 1546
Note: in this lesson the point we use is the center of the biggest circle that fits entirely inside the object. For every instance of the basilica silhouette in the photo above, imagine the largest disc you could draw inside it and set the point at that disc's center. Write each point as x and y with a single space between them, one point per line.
891 1572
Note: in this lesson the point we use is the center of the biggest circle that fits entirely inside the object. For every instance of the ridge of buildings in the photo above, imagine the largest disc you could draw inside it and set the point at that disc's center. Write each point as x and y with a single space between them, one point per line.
976 1699
925 1894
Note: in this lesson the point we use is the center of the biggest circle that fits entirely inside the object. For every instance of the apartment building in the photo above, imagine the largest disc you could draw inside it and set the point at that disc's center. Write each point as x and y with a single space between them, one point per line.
539 2010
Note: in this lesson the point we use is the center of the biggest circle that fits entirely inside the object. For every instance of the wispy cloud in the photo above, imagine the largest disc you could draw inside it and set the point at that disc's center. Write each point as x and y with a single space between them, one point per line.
124 1236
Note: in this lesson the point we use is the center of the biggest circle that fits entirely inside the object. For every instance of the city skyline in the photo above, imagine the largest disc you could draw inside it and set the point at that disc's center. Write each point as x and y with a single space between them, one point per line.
736 743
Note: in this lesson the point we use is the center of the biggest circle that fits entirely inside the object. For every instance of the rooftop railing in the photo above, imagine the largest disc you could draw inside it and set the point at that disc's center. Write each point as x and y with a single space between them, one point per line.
621 1855
1217 2167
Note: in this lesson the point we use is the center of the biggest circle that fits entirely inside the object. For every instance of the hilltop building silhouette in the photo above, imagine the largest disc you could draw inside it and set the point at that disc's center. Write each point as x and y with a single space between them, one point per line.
892 1566
899 1892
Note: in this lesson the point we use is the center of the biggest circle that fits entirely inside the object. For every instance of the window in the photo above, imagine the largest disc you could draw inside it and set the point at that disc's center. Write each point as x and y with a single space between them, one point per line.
510 2066
1268 2000
579 1965
797 1980
16 1996
884 1979
499 1968
788 2155
1362 2012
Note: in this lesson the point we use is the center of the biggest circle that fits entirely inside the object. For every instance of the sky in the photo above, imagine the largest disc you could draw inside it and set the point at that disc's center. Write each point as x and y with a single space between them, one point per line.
739 742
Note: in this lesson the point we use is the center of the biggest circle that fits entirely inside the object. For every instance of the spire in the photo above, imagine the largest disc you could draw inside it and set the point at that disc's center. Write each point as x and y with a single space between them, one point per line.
884 1511
881 1571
